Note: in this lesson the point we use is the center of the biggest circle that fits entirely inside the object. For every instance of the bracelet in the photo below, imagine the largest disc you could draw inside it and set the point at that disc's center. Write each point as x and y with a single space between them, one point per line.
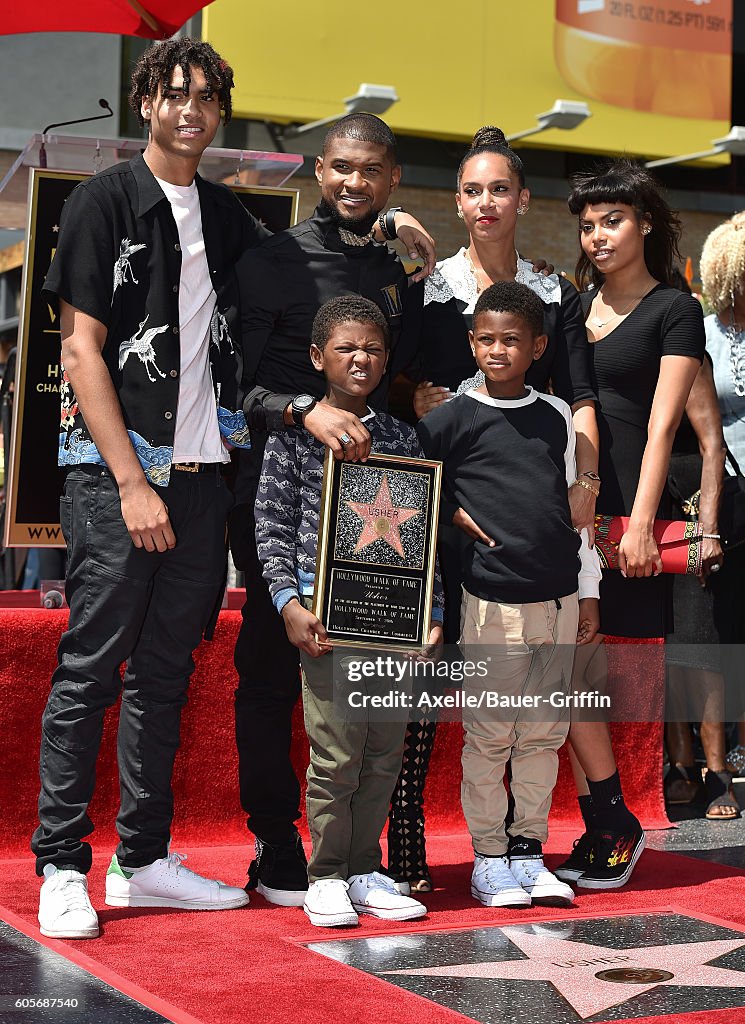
383 228
390 222
711 536
588 487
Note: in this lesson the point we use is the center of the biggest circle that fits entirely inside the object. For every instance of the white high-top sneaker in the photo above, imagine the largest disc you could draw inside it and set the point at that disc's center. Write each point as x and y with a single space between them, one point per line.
494 885
543 888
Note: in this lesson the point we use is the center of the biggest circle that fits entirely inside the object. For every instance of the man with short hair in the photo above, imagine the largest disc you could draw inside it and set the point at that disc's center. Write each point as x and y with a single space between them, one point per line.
283 284
144 277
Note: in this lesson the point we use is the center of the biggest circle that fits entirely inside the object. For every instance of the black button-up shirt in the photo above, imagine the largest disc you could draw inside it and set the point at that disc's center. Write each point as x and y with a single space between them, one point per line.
118 259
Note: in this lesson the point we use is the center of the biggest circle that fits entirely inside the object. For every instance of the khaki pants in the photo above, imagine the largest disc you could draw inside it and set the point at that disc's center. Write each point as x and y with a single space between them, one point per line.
531 650
354 766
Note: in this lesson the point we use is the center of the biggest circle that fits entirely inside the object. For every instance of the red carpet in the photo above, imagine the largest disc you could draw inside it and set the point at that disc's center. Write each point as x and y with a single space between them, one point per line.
207 805
247 965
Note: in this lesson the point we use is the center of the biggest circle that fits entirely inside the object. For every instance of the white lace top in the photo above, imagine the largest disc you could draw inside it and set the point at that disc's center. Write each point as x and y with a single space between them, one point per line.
453 278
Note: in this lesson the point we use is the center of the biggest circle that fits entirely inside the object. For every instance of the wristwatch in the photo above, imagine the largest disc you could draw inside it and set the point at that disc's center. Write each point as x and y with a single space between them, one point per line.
300 405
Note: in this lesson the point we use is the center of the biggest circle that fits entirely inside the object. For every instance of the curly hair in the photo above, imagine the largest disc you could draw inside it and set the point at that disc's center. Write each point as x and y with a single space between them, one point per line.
155 68
515 298
723 264
492 140
346 309
628 182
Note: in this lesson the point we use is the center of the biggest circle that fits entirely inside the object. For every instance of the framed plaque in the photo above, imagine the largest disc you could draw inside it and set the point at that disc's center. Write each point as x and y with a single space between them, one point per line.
376 550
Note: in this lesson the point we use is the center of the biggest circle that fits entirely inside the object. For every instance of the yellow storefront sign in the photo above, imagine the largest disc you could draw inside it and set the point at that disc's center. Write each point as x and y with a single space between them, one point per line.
656 75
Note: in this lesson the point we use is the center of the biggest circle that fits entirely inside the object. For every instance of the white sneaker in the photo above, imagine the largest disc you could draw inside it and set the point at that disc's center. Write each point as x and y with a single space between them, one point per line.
167 883
377 895
327 904
494 885
65 911
544 889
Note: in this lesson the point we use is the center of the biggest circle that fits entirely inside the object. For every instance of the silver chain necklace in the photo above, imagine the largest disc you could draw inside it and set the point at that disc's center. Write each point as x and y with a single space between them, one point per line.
597 322
736 355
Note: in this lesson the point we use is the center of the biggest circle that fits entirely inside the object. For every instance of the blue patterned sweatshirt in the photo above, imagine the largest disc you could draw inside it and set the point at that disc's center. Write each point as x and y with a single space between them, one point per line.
288 504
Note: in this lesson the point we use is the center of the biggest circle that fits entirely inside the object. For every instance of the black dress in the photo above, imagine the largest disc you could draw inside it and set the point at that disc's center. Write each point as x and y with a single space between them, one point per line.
626 366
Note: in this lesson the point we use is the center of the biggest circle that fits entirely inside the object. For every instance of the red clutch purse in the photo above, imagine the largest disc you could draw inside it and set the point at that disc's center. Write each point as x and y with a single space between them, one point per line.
679 543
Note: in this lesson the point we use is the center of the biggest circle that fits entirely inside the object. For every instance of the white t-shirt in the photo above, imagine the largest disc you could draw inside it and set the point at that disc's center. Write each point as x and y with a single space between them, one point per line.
197 437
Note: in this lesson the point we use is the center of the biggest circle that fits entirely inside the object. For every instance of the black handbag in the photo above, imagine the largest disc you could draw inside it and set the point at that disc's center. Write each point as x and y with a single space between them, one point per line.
732 508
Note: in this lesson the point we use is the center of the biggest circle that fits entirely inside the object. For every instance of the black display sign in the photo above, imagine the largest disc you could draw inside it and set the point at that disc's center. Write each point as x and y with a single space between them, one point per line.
34 481
376 550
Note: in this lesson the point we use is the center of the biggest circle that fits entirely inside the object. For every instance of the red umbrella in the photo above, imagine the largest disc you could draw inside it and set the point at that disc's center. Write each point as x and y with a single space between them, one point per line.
151 19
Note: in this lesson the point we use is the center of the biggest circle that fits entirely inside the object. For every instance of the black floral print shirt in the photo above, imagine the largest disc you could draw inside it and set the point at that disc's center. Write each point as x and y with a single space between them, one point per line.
118 259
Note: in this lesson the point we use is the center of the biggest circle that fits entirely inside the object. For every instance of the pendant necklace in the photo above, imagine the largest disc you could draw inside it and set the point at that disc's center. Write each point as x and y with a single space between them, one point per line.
597 322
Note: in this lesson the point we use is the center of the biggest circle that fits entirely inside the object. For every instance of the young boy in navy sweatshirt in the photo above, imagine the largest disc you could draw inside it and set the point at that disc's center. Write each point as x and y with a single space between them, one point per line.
530 589
354 765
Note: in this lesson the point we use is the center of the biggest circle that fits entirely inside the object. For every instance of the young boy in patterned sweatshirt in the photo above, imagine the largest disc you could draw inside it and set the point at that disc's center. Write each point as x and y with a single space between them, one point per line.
354 765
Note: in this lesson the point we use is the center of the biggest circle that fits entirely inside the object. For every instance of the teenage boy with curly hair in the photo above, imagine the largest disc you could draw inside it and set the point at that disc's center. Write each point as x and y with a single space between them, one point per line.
144 279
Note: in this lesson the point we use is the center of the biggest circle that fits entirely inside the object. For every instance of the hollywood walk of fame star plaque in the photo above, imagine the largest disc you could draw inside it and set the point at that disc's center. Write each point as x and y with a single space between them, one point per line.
574 971
376 550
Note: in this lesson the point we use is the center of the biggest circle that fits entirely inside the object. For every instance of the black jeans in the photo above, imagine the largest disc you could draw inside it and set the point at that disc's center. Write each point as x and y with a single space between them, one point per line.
145 608
268 668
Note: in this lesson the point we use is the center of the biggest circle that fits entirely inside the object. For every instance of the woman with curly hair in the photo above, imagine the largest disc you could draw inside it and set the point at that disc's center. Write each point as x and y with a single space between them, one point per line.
723 280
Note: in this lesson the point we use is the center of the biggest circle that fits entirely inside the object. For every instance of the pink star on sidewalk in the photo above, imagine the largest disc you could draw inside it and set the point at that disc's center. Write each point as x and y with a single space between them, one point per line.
572 968
382 519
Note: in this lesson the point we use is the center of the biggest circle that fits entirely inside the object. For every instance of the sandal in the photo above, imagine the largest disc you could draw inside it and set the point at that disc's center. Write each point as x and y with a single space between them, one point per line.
682 784
736 760
719 792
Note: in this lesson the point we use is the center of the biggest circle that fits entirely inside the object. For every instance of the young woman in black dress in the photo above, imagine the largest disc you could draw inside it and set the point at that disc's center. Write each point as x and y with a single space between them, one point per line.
491 197
647 343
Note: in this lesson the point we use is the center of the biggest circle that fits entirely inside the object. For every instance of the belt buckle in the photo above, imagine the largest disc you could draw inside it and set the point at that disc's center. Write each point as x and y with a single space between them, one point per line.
186 467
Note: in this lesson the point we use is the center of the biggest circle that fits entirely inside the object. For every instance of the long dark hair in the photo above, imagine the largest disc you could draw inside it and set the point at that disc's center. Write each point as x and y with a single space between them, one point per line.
628 182
492 140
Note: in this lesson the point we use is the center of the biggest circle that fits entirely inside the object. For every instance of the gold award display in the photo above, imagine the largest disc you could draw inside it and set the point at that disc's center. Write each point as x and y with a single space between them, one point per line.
376 550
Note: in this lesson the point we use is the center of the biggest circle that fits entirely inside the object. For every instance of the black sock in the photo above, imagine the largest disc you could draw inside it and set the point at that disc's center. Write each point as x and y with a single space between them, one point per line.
519 846
587 811
609 810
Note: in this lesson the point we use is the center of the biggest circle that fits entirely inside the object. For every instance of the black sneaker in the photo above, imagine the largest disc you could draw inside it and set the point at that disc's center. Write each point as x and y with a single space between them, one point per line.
578 861
612 860
280 873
